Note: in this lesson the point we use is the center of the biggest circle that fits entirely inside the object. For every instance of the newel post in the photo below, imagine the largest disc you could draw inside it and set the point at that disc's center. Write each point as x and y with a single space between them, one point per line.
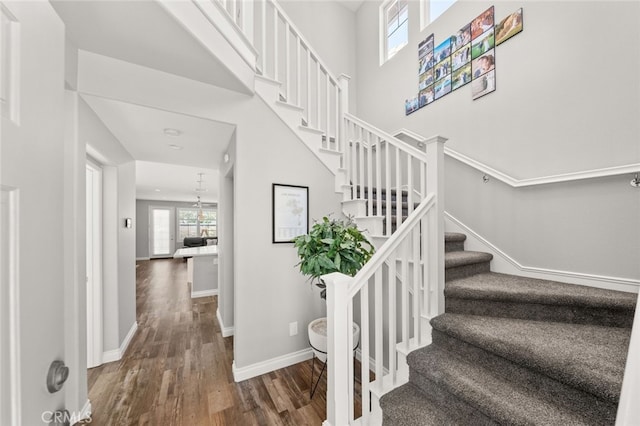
435 184
343 82
338 353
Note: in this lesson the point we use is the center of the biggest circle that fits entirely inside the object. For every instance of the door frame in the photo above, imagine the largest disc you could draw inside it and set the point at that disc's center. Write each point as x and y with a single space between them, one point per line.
10 389
95 326
172 231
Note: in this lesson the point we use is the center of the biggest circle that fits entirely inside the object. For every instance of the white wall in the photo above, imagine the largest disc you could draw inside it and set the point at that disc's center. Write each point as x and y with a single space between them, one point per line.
126 249
558 108
330 28
119 278
269 290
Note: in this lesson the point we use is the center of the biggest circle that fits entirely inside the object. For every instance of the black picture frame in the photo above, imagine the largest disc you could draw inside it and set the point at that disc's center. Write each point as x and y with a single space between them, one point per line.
289 212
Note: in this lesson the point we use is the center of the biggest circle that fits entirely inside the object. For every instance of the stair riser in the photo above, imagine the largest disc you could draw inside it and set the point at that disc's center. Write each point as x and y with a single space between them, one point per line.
594 410
465 271
450 246
450 402
537 312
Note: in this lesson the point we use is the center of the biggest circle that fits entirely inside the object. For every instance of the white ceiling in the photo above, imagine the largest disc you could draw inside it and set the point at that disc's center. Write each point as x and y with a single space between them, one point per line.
159 181
140 129
143 33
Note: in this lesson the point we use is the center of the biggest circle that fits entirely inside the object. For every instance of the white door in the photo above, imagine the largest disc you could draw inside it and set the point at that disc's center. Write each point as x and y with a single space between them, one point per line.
161 231
32 222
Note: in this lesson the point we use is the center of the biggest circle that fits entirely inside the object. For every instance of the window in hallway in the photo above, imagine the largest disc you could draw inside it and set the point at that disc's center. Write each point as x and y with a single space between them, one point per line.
197 223
395 18
430 10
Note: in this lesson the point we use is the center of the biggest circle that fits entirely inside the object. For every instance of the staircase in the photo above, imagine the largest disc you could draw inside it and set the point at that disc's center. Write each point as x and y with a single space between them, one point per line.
484 349
514 350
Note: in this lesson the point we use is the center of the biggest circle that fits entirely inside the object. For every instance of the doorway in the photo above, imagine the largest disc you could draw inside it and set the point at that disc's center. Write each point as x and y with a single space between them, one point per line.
161 231
94 264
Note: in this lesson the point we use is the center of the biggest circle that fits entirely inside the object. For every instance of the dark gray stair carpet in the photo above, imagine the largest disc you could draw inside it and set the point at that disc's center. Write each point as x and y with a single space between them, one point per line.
460 264
454 241
511 296
515 351
590 358
407 406
504 400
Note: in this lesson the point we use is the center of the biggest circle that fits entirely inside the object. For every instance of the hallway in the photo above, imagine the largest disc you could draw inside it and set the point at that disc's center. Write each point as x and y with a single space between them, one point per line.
177 369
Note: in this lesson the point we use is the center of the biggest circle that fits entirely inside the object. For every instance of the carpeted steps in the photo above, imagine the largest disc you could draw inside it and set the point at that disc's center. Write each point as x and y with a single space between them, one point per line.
515 351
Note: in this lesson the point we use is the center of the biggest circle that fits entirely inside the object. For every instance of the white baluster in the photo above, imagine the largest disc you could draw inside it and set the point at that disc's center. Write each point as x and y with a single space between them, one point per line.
308 87
369 175
392 316
398 189
287 60
415 243
378 327
318 123
378 154
298 70
387 202
364 351
275 43
263 36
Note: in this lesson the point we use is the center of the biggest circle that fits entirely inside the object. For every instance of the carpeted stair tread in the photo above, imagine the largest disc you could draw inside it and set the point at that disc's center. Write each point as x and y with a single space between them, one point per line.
496 396
503 287
590 358
454 237
462 258
408 406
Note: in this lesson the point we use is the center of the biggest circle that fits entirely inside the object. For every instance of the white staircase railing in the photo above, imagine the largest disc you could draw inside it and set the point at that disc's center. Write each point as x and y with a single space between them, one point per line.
393 297
382 171
402 287
287 57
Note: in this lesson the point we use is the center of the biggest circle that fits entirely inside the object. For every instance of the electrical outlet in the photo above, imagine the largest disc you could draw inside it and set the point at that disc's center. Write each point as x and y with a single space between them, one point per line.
293 328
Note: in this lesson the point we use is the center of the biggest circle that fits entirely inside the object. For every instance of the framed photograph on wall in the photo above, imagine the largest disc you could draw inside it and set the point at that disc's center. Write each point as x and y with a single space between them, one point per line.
290 212
483 85
461 39
483 64
483 44
482 23
509 26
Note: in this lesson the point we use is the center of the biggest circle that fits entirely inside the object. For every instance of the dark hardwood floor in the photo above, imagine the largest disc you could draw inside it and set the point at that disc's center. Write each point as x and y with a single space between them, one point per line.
177 369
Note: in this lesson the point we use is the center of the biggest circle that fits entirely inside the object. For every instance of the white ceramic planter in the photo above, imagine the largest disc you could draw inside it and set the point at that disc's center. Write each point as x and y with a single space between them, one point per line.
317 330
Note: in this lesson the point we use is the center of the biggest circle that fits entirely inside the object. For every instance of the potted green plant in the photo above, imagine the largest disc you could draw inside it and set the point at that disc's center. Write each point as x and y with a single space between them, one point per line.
332 245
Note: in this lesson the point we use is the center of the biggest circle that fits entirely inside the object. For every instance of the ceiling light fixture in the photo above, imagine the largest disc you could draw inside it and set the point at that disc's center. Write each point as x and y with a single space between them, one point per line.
172 132
176 147
157 190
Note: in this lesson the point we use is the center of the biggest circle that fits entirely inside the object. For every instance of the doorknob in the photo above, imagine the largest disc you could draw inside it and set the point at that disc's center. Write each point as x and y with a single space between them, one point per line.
57 375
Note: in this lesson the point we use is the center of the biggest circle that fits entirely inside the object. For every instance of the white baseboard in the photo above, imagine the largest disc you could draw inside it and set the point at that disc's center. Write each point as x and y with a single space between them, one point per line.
142 258
226 331
116 354
204 293
264 367
505 264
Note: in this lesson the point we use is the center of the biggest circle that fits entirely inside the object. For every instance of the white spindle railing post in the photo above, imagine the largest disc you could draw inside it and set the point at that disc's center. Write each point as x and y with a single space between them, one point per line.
275 43
338 351
263 31
343 85
435 252
287 60
247 16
